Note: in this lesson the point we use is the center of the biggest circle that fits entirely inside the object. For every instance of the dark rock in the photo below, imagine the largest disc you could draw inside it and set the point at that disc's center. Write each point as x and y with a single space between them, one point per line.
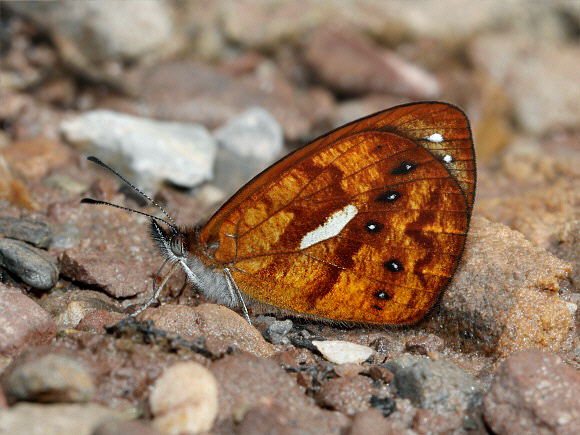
438 386
36 233
31 265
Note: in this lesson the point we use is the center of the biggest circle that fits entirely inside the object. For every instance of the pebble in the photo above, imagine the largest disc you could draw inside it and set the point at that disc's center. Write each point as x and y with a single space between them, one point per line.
276 332
343 352
30 264
36 233
55 419
254 133
438 386
23 322
146 151
184 399
49 378
348 395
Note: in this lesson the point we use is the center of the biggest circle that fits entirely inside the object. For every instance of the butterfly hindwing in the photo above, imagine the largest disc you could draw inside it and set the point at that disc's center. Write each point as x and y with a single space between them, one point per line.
365 224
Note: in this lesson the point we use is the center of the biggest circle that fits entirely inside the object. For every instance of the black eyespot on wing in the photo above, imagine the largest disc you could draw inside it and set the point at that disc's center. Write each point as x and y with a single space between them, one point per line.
382 295
390 196
374 227
393 266
404 168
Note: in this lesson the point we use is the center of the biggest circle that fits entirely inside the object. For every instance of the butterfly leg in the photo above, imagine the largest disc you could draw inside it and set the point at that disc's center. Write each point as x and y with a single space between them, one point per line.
156 292
236 294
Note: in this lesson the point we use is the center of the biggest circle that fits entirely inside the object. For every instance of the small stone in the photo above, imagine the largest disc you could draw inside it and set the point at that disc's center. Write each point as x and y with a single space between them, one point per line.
30 264
254 133
50 378
184 399
97 320
438 386
343 352
276 332
55 419
380 373
36 233
348 395
23 323
425 344
345 370
386 405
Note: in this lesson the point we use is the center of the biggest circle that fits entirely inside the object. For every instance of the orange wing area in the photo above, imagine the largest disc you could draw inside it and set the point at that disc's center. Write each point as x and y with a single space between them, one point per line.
408 172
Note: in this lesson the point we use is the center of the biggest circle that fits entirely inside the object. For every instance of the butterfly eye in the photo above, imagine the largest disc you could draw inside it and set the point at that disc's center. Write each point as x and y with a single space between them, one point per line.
178 245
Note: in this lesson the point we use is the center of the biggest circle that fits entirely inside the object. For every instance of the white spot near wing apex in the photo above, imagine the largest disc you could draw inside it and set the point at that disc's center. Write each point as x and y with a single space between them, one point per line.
435 137
332 227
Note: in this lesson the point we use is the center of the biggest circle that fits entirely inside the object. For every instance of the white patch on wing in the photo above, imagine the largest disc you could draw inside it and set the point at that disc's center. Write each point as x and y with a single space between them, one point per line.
333 225
447 158
435 137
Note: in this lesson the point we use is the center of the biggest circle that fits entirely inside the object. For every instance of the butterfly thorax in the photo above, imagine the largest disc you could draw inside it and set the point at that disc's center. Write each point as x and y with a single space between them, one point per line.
202 270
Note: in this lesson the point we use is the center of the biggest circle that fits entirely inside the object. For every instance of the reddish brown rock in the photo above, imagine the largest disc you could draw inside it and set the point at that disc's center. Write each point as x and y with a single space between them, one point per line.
246 382
348 395
504 295
332 51
23 323
534 392
97 320
220 326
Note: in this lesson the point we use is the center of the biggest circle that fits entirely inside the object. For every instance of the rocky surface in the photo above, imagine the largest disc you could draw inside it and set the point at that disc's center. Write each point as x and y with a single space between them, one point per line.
174 94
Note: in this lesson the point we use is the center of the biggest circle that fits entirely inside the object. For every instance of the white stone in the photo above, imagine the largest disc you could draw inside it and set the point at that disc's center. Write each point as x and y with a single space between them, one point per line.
343 352
332 227
146 151
184 399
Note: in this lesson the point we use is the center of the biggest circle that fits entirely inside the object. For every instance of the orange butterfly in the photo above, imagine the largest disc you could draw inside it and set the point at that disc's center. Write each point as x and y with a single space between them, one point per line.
364 224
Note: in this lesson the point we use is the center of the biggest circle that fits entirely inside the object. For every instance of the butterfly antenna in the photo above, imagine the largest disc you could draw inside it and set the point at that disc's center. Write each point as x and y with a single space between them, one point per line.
98 201
135 188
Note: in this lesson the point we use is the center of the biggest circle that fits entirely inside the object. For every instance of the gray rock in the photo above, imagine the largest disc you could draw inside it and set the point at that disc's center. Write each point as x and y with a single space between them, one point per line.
276 332
50 378
30 264
438 386
254 133
146 151
34 232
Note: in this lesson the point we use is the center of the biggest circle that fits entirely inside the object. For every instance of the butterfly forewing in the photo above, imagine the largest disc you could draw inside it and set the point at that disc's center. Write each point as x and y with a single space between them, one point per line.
365 224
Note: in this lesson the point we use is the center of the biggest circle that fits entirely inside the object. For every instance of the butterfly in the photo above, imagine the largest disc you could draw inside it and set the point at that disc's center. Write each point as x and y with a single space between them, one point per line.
365 224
